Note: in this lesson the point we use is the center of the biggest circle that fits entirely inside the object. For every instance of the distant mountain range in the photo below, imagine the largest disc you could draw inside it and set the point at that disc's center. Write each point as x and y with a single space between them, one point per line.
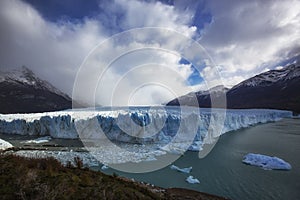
21 91
275 89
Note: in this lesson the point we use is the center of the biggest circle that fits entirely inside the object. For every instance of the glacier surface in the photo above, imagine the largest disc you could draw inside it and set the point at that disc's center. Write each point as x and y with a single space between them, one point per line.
169 129
266 162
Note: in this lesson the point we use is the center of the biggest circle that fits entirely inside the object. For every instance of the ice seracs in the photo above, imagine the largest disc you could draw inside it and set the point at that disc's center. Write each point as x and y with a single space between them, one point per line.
192 180
183 170
266 162
170 129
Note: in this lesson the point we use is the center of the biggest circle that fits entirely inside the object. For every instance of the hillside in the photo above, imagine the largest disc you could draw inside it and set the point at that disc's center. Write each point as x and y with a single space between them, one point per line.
275 89
21 91
23 178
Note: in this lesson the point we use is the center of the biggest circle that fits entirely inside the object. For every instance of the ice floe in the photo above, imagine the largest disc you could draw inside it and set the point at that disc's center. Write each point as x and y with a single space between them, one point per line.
104 167
266 162
5 145
183 170
192 180
38 140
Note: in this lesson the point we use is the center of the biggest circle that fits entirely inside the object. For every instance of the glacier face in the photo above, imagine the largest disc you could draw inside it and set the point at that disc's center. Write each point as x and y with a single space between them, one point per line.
175 129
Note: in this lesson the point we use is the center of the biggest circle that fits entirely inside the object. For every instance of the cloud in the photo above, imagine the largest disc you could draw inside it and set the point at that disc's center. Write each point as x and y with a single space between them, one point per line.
243 39
55 50
134 63
246 37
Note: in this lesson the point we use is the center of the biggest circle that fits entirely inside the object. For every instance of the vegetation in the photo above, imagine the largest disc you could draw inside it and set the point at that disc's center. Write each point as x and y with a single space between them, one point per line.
46 178
24 178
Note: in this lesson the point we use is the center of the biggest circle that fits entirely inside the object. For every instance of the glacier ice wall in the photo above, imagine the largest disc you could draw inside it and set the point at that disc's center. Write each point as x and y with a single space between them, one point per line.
135 125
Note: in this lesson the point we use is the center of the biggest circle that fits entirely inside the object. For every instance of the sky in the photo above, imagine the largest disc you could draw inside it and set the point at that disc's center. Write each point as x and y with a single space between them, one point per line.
80 46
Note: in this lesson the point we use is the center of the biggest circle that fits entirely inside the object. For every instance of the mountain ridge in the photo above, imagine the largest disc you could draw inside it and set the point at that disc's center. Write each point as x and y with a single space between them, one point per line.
21 91
275 89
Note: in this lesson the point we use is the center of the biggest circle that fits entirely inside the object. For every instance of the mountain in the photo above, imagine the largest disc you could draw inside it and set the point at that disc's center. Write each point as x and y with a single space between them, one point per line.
21 91
203 97
278 89
275 89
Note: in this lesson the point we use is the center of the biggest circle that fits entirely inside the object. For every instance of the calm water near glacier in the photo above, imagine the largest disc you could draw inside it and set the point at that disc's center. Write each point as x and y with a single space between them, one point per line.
223 173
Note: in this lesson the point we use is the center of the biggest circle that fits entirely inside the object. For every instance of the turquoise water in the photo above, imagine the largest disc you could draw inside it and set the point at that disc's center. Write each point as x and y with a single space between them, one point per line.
223 173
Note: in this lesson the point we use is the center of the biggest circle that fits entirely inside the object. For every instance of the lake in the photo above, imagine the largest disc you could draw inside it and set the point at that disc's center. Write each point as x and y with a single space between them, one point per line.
223 173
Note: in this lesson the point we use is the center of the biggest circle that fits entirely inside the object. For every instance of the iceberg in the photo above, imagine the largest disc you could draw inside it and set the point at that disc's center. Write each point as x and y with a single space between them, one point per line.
169 128
183 170
296 116
104 167
192 180
266 162
5 145
38 140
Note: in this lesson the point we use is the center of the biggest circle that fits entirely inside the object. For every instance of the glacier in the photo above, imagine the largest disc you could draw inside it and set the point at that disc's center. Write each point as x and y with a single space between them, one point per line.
116 136
168 127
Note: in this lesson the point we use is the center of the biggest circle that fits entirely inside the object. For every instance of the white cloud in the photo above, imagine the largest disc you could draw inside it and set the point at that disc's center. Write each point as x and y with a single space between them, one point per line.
246 37
126 67
53 51
56 50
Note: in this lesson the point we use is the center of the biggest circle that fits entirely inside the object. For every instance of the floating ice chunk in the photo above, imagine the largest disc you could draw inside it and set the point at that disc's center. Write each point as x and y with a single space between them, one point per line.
296 116
192 180
266 162
39 140
5 145
104 167
183 170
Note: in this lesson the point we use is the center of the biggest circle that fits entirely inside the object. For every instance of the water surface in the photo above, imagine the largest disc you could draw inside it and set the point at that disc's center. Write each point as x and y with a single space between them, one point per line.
223 173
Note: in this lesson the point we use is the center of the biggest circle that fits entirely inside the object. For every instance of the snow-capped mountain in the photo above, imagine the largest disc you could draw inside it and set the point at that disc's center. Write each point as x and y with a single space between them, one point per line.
203 97
278 89
215 90
271 77
22 91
